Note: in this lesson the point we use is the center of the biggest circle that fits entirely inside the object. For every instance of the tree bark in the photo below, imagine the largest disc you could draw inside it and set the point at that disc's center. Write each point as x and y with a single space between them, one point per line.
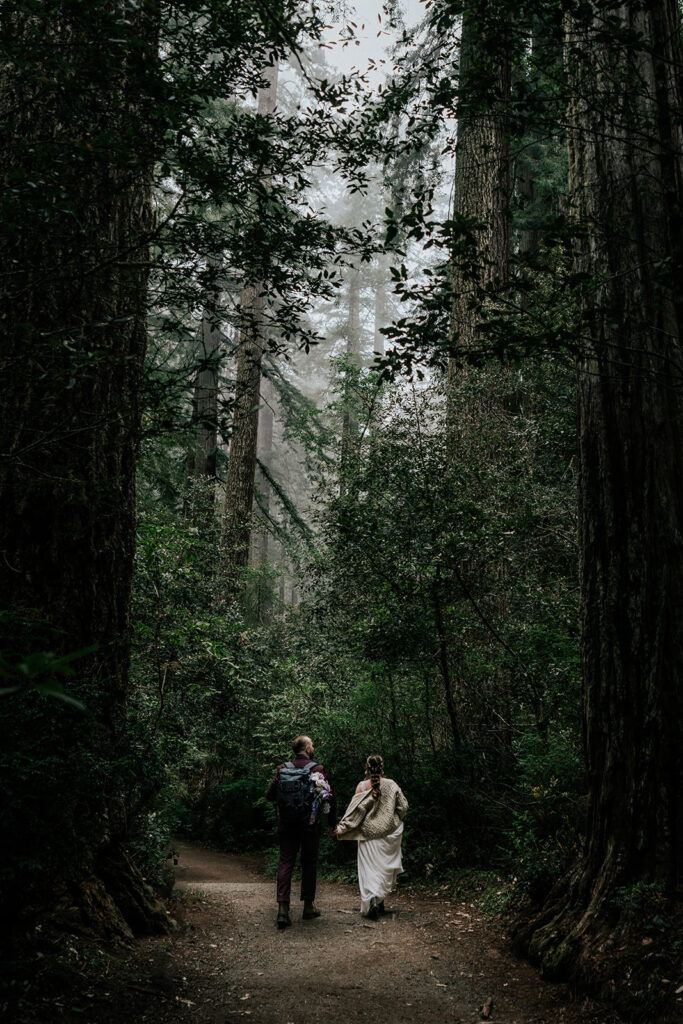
482 179
239 484
380 304
626 177
481 255
353 342
262 540
205 398
265 451
75 220
631 452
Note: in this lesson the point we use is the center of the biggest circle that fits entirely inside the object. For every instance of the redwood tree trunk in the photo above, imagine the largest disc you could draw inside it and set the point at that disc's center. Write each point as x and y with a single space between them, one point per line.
626 172
481 254
631 443
482 178
239 484
75 219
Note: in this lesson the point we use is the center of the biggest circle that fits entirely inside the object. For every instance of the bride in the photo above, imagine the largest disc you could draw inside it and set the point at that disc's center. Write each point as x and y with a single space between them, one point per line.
375 818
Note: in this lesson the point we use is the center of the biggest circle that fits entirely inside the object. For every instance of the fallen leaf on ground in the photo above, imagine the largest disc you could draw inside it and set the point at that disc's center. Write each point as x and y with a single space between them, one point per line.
487 1008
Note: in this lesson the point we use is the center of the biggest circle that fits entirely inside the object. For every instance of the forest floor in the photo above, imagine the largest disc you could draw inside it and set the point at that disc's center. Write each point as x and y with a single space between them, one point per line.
432 961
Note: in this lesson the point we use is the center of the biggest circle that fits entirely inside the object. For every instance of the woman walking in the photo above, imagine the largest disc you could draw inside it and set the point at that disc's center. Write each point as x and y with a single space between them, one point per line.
375 818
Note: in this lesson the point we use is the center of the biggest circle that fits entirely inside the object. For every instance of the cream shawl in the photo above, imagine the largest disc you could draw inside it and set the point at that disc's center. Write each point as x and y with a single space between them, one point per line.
367 818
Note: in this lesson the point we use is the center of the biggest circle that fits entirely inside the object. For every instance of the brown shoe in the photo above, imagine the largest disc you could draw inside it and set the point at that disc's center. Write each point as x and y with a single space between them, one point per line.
283 918
310 910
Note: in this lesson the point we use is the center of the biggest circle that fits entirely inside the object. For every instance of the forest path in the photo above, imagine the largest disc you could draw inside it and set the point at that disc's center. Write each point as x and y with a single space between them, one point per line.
431 962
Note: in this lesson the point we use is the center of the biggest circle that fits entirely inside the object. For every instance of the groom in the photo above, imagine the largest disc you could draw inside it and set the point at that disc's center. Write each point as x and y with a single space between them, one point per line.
292 792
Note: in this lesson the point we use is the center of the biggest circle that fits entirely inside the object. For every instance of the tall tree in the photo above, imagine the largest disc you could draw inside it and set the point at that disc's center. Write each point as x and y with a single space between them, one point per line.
381 285
481 250
202 459
349 434
265 454
482 173
353 346
626 169
77 86
239 484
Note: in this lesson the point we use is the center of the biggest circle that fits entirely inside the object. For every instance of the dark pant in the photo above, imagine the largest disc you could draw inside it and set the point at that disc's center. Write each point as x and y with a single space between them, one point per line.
292 838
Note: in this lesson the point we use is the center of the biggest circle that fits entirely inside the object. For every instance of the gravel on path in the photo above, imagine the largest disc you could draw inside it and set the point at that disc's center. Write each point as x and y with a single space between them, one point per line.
430 961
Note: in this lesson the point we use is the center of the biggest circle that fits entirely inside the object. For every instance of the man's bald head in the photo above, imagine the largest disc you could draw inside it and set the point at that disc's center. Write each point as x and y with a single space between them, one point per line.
303 745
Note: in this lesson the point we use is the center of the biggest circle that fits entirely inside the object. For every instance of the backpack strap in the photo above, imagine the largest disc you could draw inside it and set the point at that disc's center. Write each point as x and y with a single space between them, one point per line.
304 767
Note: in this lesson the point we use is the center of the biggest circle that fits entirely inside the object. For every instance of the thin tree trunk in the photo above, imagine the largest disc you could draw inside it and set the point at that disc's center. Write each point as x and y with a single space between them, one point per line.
529 237
239 484
444 664
265 453
380 304
205 398
265 450
350 420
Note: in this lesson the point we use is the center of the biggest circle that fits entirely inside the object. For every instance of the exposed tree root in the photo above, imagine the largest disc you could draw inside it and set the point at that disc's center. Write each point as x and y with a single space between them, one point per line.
625 956
111 901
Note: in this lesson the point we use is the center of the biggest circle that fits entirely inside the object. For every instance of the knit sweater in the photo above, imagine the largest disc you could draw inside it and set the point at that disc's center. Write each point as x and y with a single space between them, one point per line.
367 818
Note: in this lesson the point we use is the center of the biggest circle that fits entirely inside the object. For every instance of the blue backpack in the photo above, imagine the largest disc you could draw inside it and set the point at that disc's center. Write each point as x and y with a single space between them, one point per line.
295 793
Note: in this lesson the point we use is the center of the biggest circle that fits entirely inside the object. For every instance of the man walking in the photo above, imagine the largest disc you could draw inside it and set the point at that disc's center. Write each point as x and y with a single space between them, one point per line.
292 791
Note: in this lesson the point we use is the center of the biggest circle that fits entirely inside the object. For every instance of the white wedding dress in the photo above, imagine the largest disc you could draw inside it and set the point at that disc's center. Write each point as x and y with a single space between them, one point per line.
379 862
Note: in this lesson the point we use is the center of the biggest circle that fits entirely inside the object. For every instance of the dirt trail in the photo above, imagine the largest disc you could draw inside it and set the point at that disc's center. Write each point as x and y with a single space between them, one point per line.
431 962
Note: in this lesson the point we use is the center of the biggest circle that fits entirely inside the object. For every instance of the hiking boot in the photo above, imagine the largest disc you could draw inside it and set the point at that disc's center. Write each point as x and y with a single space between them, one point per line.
310 910
374 911
283 918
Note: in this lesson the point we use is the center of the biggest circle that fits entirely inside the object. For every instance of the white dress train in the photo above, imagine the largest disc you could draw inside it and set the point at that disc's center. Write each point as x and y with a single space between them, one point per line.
379 862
